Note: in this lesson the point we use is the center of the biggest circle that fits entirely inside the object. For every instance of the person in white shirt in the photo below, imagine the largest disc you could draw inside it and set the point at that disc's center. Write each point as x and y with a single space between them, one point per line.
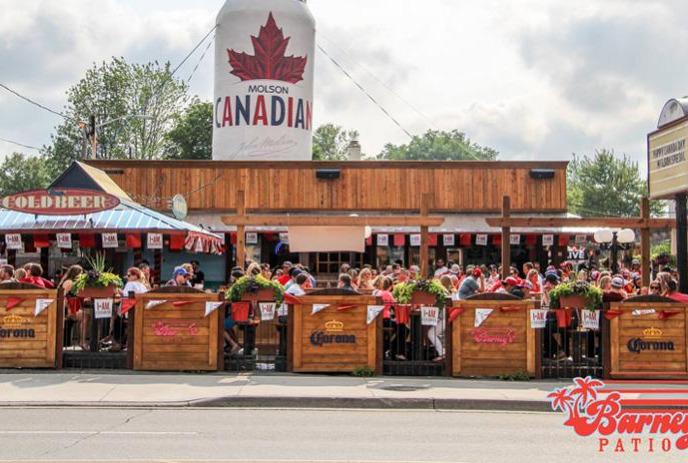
440 268
134 282
298 288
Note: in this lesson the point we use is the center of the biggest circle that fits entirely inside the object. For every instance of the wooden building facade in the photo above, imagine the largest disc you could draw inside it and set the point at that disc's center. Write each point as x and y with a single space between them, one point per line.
464 192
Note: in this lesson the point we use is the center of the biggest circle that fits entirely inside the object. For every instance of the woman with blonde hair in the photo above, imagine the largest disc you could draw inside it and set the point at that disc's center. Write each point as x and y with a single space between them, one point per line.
365 279
253 270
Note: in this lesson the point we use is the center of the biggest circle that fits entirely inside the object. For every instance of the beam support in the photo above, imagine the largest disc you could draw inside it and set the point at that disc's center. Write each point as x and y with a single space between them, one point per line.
241 231
645 265
682 242
424 248
506 236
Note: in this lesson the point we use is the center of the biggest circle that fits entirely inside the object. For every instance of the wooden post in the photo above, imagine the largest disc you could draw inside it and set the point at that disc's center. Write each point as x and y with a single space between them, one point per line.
157 268
424 250
682 242
645 265
241 231
506 235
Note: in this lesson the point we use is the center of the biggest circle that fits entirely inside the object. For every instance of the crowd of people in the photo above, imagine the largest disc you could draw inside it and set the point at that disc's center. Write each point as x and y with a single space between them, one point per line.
528 281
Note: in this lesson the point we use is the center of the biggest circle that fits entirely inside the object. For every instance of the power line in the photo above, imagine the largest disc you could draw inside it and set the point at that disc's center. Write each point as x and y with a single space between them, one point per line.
35 103
365 92
384 84
200 60
20 144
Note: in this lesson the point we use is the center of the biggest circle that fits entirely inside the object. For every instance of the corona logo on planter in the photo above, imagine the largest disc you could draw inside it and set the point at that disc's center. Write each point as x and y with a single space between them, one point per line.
60 202
263 107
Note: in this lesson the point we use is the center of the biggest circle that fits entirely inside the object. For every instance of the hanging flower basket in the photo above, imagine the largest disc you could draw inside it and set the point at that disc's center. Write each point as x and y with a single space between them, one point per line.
422 292
256 289
578 295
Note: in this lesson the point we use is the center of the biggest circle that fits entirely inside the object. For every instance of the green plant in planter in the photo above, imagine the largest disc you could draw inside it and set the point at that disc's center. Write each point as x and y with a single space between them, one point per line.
97 276
403 292
250 285
592 294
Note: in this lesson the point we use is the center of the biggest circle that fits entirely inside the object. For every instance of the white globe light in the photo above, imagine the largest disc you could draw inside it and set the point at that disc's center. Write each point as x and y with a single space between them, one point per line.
626 236
603 236
368 232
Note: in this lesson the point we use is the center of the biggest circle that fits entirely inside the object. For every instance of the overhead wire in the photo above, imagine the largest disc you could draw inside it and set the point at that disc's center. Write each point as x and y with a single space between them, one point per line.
20 144
33 102
365 92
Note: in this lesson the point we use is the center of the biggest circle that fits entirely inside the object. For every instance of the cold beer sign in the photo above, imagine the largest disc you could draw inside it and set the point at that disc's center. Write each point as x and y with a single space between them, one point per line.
60 202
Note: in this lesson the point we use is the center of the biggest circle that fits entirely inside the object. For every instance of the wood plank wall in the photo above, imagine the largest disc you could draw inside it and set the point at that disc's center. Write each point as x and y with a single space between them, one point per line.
364 186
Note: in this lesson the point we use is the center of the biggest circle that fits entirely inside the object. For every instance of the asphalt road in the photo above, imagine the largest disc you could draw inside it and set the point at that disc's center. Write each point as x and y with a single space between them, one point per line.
266 435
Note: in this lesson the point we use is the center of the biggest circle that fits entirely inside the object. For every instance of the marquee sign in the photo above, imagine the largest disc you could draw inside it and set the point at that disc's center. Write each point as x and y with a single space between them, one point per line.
60 201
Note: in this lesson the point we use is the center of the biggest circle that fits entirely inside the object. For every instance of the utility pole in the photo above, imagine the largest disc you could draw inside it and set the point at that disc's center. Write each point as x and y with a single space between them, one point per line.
93 136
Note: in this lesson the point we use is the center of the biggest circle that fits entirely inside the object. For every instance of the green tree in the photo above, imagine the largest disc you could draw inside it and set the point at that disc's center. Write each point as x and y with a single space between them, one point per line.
191 136
330 142
118 94
436 145
606 185
22 173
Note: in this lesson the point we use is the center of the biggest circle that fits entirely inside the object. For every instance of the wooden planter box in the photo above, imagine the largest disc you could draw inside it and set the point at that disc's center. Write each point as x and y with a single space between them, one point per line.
99 292
574 302
650 344
334 340
423 298
176 335
262 295
26 340
503 344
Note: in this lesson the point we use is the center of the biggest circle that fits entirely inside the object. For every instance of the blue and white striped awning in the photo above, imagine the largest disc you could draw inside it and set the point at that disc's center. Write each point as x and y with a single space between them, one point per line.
128 217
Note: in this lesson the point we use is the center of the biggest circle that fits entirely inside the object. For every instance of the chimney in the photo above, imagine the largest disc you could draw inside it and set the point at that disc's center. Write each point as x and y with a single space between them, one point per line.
354 150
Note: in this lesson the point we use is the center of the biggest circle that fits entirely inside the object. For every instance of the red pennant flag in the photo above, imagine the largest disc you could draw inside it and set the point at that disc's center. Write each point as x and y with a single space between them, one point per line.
41 240
399 239
177 242
133 241
509 309
454 313
465 239
181 303
342 308
432 239
13 302
664 314
531 240
291 299
563 240
611 314
87 240
369 241
497 240
127 304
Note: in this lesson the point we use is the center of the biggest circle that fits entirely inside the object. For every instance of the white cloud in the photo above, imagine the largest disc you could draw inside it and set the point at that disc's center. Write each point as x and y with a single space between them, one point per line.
535 79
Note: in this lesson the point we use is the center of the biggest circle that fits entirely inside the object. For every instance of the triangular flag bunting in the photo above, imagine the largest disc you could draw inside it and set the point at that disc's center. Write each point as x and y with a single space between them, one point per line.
154 303
319 307
342 308
291 299
181 303
481 315
454 313
374 311
128 303
211 306
41 305
13 302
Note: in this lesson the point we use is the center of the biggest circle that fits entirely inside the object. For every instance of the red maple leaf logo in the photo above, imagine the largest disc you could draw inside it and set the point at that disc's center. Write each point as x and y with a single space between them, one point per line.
269 61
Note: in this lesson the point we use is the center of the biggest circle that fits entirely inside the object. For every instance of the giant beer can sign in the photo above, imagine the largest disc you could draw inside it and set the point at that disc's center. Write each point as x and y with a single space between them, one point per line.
263 108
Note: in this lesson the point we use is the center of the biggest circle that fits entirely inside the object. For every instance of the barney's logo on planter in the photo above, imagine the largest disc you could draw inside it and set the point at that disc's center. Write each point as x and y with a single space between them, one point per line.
60 202
622 424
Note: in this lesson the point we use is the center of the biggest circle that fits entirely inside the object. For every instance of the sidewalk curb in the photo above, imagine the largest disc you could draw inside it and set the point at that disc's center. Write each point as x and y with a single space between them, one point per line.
311 402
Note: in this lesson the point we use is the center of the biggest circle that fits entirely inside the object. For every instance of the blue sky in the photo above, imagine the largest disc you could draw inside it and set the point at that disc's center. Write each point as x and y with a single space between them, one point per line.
535 79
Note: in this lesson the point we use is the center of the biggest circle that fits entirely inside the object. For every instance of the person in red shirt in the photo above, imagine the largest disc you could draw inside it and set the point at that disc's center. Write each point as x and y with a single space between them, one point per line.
286 267
673 292
33 276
